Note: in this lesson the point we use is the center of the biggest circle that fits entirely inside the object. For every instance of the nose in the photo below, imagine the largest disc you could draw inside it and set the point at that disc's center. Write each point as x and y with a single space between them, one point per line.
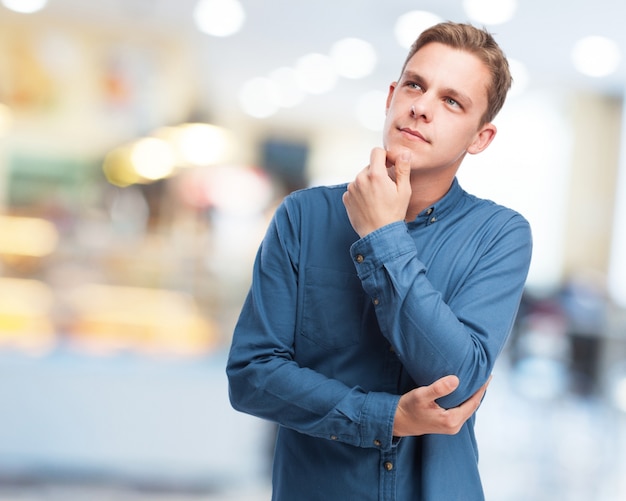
421 109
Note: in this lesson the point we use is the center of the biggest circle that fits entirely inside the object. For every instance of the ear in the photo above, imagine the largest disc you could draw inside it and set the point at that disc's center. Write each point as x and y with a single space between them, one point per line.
392 88
483 139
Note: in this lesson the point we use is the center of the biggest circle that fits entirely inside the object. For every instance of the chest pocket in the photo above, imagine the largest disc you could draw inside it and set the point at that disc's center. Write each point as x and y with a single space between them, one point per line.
334 308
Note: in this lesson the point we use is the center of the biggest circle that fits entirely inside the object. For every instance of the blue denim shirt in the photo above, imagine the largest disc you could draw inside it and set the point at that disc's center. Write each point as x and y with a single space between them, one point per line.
335 328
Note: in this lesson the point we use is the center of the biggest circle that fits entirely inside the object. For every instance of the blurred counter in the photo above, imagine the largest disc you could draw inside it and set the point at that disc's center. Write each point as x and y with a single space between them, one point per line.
127 417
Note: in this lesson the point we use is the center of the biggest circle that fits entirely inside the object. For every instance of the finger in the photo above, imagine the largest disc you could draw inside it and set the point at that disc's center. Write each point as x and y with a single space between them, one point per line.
345 198
403 169
442 387
474 401
378 160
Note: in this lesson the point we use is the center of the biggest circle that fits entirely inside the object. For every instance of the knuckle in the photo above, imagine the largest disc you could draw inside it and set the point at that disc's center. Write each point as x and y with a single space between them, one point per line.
452 424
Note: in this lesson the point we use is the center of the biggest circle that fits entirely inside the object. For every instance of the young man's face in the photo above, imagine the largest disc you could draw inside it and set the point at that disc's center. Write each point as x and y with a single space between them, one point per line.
435 109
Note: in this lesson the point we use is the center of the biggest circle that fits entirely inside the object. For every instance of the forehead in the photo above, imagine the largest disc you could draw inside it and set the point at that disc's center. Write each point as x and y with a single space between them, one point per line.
448 67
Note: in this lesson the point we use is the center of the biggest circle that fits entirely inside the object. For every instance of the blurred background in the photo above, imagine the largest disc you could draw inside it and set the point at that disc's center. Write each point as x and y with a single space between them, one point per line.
144 145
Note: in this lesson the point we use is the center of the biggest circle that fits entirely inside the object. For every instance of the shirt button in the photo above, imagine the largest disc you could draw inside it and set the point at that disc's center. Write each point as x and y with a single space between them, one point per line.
429 211
377 443
359 258
375 301
432 220
333 437
388 465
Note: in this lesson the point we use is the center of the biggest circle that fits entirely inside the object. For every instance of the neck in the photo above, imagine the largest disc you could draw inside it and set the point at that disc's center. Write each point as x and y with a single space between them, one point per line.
424 193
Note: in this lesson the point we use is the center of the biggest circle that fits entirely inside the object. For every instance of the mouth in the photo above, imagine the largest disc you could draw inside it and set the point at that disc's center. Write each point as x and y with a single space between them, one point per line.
413 134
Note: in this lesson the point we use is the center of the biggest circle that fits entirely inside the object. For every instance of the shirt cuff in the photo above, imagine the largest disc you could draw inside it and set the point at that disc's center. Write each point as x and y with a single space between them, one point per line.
388 242
377 418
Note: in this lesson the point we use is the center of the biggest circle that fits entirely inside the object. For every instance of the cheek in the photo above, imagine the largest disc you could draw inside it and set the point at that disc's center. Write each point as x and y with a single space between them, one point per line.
387 126
462 139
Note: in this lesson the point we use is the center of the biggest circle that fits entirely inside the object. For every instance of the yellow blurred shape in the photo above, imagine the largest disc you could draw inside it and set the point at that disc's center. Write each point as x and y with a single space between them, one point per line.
198 144
26 236
152 320
157 157
118 167
153 158
6 119
25 314
202 144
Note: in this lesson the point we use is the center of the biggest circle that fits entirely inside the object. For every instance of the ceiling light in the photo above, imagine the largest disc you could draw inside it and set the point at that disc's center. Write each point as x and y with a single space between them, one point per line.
25 6
410 25
370 110
490 11
353 57
258 97
201 144
220 18
596 56
153 158
520 75
315 73
288 92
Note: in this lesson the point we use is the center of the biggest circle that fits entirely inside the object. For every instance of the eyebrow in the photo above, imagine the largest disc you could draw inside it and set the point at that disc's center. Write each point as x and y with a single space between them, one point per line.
448 91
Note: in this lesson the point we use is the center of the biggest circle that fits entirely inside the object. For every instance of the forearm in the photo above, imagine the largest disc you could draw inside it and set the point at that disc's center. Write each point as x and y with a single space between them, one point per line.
268 377
265 383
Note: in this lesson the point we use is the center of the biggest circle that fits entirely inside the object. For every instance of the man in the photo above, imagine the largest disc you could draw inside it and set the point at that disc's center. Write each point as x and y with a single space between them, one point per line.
357 307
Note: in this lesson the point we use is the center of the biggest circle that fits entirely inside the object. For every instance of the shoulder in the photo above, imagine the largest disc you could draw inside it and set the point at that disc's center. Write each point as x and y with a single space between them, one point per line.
316 198
485 209
316 193
318 203
494 222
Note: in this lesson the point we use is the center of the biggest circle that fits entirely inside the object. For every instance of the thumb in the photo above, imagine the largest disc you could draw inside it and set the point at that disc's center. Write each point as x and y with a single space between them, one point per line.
443 386
403 169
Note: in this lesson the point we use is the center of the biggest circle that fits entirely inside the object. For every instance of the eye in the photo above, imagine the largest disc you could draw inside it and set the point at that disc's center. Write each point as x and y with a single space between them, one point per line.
414 85
452 102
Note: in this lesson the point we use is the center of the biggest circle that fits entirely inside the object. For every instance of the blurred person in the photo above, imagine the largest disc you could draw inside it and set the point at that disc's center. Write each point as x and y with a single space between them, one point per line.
377 308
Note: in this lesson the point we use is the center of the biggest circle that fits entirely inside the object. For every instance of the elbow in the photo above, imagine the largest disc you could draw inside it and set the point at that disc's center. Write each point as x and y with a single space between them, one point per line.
236 389
470 381
235 399
244 391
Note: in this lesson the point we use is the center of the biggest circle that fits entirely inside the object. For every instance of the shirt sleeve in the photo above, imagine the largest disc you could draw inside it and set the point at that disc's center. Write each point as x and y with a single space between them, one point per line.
264 378
461 333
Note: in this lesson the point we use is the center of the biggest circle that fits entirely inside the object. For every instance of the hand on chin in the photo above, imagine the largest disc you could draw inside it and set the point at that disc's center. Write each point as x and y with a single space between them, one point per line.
393 153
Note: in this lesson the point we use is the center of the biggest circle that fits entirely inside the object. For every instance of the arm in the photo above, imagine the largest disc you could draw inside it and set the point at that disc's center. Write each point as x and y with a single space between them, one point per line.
451 328
418 412
266 381
264 378
458 325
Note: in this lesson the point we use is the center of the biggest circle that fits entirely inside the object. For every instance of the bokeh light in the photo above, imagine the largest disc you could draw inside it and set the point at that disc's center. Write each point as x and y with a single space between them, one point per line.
370 110
288 92
220 18
596 56
6 119
316 73
27 236
25 6
521 77
353 57
490 11
152 158
409 25
258 97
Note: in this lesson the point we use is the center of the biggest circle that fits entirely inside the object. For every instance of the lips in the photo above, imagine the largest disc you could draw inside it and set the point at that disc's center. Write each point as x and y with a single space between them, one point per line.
415 134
